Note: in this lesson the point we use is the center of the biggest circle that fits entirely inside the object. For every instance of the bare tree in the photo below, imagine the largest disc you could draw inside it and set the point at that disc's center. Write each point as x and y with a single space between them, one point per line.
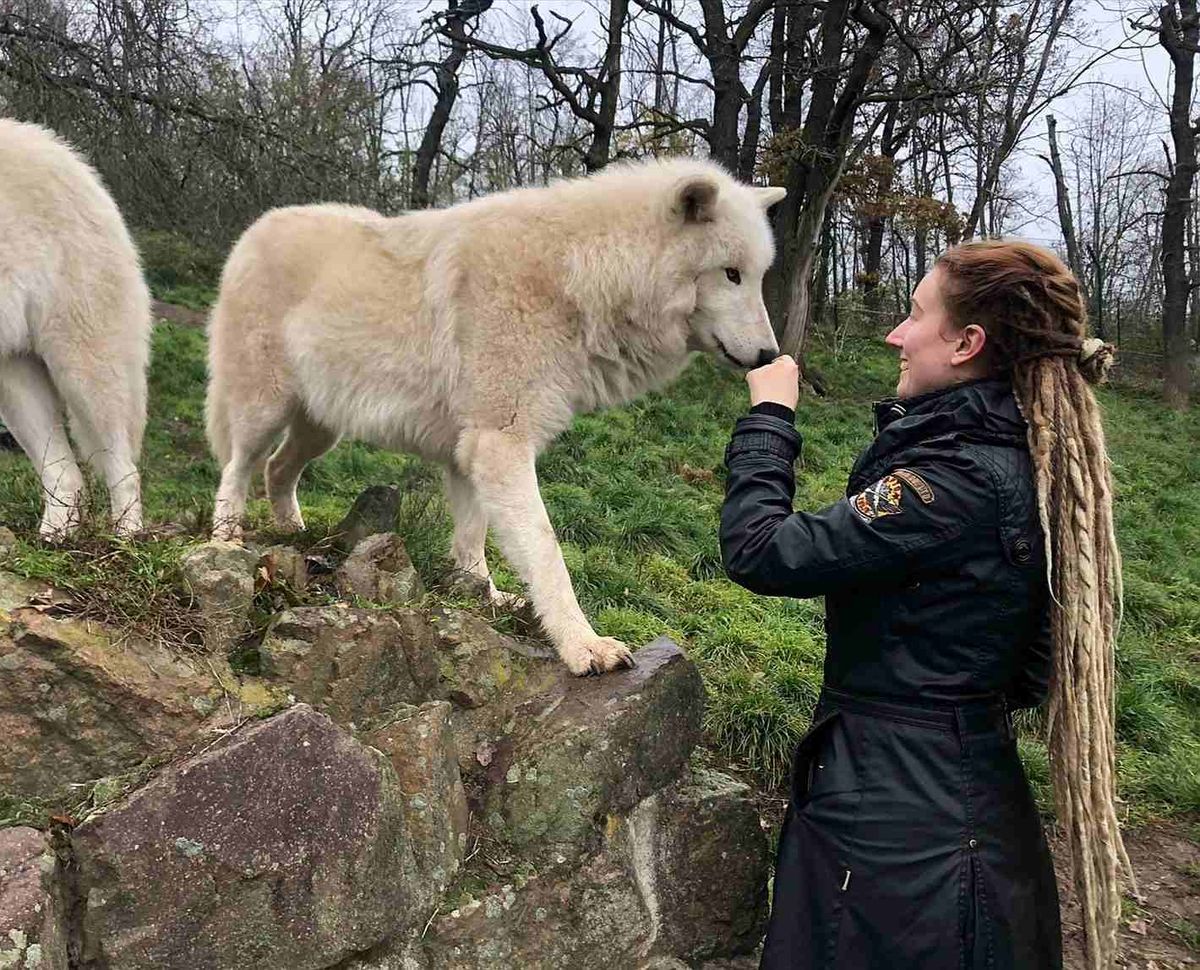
455 23
1016 69
722 38
1062 197
816 153
591 94
1179 34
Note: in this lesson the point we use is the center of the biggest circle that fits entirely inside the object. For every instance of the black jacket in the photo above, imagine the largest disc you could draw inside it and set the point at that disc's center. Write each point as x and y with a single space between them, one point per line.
932 565
911 839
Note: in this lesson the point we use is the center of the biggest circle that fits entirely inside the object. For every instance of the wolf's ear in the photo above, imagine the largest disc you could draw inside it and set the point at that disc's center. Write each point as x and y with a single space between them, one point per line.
695 198
768 196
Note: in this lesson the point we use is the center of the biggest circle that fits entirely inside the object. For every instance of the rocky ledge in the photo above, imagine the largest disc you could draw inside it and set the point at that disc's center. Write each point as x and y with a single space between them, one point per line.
397 788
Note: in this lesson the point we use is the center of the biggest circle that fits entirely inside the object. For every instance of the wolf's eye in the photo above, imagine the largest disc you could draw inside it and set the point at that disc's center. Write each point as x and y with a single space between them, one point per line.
733 275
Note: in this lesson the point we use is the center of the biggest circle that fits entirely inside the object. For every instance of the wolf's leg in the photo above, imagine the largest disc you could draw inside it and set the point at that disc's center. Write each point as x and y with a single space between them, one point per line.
112 456
31 409
106 437
470 535
252 431
305 440
501 467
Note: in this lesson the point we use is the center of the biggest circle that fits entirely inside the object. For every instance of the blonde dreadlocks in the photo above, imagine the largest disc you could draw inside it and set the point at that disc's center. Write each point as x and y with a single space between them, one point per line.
1029 304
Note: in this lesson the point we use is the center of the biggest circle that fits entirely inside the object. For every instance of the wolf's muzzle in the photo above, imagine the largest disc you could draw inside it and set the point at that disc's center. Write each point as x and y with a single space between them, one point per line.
765 357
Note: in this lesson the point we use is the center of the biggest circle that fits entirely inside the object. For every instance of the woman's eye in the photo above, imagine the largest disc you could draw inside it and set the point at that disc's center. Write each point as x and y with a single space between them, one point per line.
733 275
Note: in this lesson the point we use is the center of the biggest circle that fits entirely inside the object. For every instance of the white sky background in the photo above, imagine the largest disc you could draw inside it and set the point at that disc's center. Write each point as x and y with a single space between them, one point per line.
1140 65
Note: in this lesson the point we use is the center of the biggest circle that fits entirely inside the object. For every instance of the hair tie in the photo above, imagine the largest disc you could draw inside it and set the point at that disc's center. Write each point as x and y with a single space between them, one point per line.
1096 359
1089 348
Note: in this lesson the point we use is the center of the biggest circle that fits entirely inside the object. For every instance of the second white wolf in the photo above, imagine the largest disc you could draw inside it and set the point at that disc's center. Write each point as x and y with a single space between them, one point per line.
472 335
74 328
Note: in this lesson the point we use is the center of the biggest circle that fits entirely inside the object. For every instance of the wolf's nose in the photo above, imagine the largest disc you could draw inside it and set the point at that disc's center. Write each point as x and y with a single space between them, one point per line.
765 357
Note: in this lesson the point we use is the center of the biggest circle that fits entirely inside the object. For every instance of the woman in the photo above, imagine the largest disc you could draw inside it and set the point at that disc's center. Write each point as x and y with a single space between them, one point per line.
911 840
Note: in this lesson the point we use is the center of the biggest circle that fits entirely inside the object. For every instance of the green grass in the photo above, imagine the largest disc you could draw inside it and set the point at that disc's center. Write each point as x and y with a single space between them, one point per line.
634 494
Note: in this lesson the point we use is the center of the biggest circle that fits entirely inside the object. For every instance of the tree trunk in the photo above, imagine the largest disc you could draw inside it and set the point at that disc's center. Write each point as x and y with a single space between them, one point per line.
1179 32
600 149
447 94
1066 219
748 156
813 174
431 140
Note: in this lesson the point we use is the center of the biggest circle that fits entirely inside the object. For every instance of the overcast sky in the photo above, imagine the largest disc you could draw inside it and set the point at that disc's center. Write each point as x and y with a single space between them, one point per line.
1136 62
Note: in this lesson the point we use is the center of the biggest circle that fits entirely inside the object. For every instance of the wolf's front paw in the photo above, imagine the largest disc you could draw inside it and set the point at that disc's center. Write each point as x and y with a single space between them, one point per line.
288 520
596 655
59 521
227 530
506 601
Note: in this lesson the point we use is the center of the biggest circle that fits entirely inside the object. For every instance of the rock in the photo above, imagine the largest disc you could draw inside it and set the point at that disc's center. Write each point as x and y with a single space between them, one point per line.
285 565
592 747
459 582
479 667
76 703
282 847
220 577
32 911
591 919
17 591
420 745
374 511
8 541
402 954
710 863
628 907
487 676
379 570
354 665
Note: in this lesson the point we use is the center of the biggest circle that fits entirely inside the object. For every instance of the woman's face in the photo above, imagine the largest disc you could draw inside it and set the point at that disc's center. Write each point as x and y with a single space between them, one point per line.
933 352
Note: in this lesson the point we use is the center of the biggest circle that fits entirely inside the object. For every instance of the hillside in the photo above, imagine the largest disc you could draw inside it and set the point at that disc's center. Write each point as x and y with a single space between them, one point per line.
634 494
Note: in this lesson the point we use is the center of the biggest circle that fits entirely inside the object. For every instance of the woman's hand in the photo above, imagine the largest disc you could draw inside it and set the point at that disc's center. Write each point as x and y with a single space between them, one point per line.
778 382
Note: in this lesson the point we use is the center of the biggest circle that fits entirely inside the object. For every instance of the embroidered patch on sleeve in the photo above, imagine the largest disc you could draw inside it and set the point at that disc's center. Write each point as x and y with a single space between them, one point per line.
886 496
916 483
878 500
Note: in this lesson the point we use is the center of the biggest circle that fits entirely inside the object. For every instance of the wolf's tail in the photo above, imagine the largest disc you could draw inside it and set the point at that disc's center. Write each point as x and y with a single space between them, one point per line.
217 421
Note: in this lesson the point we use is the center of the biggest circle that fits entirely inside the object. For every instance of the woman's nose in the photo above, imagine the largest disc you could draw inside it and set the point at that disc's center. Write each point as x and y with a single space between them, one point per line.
896 337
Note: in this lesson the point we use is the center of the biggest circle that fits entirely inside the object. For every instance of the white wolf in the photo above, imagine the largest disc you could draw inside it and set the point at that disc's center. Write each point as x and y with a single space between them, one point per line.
471 335
74 327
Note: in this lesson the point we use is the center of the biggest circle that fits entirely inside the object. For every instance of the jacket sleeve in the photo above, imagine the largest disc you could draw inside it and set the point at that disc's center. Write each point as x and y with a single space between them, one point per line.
918 513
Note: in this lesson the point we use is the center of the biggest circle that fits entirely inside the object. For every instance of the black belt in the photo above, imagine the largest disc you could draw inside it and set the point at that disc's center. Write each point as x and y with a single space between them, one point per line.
983 715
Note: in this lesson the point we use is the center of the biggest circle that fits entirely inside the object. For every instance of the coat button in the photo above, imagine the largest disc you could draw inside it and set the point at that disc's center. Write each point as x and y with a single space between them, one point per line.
1022 550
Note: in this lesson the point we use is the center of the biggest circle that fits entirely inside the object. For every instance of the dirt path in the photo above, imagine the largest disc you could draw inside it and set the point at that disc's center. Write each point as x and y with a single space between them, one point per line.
178 314
1163 931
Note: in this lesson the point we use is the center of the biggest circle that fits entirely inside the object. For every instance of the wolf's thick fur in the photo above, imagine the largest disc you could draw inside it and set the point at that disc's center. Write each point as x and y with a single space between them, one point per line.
471 335
74 327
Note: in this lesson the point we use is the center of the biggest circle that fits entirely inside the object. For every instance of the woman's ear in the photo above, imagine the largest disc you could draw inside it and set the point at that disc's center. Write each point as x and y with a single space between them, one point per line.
972 339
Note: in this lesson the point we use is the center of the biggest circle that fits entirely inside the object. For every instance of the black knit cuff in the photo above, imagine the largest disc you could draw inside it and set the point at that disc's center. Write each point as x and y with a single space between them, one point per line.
776 410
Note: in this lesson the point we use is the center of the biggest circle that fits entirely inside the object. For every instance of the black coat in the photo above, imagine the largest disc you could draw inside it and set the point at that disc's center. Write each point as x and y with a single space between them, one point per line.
911 840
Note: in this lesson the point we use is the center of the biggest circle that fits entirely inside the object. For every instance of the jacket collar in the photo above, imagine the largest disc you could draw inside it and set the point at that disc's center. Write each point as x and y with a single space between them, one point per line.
985 404
979 410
